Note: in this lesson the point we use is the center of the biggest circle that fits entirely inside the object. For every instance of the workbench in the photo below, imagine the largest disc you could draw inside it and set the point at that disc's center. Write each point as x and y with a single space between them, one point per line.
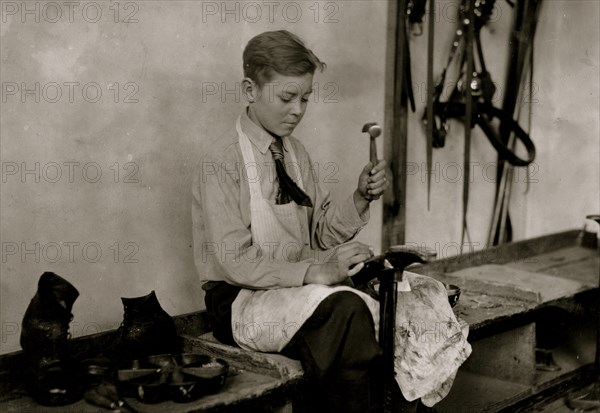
507 294
505 290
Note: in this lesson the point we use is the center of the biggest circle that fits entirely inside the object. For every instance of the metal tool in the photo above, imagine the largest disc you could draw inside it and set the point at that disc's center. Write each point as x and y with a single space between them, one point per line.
374 130
388 293
388 268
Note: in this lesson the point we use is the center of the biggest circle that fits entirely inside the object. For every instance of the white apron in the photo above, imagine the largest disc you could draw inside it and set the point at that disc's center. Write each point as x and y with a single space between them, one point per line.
266 320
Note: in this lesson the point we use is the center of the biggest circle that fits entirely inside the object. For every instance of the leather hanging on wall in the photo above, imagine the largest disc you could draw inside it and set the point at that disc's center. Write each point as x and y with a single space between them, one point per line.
471 99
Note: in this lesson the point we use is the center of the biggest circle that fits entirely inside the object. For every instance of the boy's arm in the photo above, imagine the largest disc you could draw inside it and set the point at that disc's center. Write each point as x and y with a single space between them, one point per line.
333 224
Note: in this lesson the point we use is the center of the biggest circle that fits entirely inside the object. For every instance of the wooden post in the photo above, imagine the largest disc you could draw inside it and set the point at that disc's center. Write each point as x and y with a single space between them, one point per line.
394 202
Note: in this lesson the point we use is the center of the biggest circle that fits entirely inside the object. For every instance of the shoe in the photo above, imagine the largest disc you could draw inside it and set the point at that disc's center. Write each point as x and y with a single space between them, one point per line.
146 329
544 360
52 378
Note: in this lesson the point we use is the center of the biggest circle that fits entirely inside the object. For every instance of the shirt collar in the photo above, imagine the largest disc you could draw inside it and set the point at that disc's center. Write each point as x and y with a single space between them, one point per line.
257 135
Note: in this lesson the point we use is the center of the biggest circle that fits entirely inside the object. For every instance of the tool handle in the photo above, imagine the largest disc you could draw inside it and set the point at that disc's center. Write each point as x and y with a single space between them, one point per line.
373 152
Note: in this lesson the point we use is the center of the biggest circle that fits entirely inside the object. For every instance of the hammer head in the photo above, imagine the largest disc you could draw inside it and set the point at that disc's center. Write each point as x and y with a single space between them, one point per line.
372 128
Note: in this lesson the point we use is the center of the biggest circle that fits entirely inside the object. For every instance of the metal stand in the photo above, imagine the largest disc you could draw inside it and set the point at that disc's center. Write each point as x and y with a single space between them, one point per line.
388 299
388 269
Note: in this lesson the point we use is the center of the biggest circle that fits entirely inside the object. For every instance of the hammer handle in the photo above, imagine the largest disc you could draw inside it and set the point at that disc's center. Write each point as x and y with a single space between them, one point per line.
373 152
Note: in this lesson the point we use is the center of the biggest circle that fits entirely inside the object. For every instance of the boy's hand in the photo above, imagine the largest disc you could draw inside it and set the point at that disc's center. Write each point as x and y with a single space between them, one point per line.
372 183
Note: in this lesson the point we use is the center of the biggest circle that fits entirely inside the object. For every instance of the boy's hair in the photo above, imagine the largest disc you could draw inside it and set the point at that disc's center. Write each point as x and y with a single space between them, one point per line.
278 51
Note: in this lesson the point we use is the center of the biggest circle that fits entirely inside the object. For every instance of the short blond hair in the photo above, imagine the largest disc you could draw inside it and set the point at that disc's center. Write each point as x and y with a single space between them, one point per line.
278 51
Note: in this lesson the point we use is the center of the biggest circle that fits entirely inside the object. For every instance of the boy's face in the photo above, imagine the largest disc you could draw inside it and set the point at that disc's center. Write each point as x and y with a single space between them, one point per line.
281 102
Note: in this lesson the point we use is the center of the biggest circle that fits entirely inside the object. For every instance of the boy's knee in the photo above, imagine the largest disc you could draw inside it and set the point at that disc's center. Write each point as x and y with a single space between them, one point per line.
341 311
350 300
350 304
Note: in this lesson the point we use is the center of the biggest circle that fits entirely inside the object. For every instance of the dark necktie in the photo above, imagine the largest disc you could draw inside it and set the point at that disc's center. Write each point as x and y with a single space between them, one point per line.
288 190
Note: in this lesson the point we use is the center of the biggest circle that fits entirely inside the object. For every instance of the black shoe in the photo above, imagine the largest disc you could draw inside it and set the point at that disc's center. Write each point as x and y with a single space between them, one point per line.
53 379
146 329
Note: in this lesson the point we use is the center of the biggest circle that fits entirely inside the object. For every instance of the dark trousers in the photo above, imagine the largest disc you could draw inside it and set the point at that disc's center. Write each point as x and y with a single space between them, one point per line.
336 347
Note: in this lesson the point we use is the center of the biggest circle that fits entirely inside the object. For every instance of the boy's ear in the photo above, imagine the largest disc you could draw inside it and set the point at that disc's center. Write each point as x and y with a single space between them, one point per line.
250 89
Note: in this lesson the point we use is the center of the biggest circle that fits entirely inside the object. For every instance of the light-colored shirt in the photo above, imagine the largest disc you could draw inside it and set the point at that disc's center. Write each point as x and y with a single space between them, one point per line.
223 248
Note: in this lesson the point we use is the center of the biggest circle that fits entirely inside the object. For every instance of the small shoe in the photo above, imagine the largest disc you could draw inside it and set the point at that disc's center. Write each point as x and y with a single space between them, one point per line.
544 360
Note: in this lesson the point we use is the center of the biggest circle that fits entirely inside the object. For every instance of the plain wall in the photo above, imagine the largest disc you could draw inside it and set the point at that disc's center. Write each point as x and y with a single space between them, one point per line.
177 71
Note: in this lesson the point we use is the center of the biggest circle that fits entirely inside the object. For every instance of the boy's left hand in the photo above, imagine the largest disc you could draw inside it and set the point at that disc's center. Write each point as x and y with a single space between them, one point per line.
372 181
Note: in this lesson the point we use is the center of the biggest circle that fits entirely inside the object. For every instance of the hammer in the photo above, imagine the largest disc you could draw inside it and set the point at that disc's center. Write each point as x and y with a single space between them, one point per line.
374 131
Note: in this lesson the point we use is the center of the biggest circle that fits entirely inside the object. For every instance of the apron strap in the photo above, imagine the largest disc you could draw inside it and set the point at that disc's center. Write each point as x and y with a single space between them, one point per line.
255 192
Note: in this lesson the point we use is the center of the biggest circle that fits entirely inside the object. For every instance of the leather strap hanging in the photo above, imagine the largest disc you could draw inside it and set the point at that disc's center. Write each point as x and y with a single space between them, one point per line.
486 113
468 116
440 129
521 46
471 100
430 94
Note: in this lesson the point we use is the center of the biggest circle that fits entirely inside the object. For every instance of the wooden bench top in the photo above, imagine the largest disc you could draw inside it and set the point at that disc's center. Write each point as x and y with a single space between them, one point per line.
497 285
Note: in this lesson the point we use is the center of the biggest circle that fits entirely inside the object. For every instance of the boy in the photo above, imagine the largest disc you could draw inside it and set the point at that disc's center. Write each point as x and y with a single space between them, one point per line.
271 245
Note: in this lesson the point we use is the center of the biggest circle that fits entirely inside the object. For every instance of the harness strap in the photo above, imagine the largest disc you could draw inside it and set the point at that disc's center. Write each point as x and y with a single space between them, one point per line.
408 78
440 128
430 93
503 150
468 117
487 111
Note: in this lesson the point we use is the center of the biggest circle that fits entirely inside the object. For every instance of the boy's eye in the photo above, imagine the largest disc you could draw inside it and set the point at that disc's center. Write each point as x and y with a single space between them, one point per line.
287 99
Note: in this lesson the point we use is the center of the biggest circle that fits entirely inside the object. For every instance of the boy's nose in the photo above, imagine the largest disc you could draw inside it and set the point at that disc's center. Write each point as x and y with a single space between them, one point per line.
297 107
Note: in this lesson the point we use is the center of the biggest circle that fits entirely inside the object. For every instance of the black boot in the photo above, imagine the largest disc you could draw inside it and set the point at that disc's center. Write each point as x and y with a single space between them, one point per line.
146 329
52 378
